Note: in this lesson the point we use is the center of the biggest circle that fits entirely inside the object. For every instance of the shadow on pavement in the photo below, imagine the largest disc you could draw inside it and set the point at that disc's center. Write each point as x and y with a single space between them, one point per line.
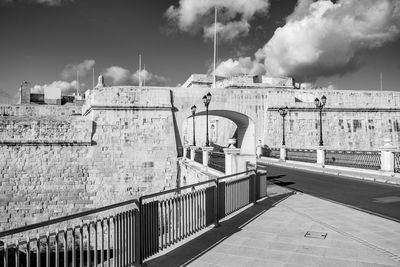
193 249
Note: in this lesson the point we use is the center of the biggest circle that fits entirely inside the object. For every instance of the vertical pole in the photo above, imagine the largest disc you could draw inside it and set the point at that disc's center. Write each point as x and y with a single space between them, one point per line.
207 142
140 69
144 80
283 130
215 44
93 78
381 81
194 129
77 78
321 143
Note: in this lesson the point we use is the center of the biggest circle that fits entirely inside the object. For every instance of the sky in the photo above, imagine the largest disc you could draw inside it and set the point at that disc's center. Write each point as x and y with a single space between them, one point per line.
343 44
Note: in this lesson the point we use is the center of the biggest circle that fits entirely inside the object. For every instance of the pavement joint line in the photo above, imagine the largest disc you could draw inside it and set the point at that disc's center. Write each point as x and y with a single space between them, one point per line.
344 233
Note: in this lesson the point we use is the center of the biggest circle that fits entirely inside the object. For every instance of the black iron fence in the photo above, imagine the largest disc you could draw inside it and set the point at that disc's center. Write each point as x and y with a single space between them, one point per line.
305 155
397 162
356 159
198 155
143 227
216 160
270 152
188 152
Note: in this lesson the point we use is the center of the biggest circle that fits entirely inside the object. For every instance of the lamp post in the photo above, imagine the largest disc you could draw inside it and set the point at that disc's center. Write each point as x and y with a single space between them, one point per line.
206 101
283 112
193 108
320 105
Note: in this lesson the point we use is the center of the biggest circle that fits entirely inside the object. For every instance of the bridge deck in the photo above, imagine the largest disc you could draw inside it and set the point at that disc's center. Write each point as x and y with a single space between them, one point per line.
274 233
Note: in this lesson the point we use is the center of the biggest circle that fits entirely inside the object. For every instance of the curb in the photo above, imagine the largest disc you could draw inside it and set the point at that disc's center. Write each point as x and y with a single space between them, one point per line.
331 171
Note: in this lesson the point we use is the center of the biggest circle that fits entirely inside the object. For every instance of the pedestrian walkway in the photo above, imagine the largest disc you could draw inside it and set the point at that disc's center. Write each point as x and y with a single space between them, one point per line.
364 174
274 233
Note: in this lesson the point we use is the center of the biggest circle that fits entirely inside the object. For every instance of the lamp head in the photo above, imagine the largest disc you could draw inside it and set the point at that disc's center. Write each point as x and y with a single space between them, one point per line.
209 97
316 101
323 99
205 99
193 108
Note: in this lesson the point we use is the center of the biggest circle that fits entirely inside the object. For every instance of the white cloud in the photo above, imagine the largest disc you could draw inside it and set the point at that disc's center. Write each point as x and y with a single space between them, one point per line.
243 65
233 16
84 68
122 76
323 39
41 2
118 75
67 88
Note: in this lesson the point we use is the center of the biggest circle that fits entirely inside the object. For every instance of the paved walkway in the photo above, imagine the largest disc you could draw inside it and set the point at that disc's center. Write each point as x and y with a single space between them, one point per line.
273 233
364 174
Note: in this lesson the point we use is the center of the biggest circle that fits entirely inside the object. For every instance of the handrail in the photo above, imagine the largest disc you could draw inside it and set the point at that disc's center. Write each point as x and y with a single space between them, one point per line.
66 218
176 189
235 174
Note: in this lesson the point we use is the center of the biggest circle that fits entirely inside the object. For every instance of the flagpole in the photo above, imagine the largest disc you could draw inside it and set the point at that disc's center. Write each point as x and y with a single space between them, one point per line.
215 44
140 70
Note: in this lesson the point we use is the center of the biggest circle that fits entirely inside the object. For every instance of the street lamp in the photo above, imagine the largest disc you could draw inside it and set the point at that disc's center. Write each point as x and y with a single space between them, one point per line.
193 108
283 112
206 101
320 105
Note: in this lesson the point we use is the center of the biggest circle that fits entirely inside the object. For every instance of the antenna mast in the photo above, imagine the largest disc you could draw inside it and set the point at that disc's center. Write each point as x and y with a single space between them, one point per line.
77 78
140 69
215 43
144 71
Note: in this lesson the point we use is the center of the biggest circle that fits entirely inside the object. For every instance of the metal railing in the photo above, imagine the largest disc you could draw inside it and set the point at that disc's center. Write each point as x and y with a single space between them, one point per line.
216 160
198 156
397 162
271 152
95 241
143 227
356 159
305 155
188 152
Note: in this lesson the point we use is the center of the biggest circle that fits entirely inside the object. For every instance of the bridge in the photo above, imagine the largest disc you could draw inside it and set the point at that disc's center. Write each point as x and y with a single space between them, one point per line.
125 143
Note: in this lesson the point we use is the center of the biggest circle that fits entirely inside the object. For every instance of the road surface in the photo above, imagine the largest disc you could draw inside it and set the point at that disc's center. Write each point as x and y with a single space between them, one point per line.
380 199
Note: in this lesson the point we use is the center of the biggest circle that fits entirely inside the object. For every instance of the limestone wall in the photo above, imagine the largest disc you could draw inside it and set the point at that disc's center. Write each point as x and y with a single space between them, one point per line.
54 163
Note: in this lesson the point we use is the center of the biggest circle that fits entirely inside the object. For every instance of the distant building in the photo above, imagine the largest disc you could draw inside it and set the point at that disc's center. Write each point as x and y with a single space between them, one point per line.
50 96
240 81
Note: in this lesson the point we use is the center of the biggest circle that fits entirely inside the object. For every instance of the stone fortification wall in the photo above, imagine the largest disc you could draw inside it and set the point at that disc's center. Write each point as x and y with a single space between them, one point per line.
53 163
41 110
43 166
378 113
135 150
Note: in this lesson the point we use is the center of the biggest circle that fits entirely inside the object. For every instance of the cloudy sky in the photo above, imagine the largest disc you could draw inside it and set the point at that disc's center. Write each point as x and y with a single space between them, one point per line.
344 43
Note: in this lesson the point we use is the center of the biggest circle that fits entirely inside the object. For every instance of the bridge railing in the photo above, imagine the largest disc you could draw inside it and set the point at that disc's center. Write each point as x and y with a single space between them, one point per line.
198 155
397 162
355 159
139 229
99 239
298 154
270 152
216 160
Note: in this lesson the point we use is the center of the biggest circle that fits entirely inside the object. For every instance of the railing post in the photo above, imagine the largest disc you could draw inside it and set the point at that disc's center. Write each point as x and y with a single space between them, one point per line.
206 154
387 156
321 152
192 152
138 237
216 203
282 153
231 160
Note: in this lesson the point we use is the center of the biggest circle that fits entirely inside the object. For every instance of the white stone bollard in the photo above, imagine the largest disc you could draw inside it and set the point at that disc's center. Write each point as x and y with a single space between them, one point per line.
321 152
192 152
231 163
206 154
387 156
282 154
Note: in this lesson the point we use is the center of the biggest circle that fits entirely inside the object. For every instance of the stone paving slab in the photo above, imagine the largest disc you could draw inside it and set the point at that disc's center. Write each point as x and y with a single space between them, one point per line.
363 174
272 233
